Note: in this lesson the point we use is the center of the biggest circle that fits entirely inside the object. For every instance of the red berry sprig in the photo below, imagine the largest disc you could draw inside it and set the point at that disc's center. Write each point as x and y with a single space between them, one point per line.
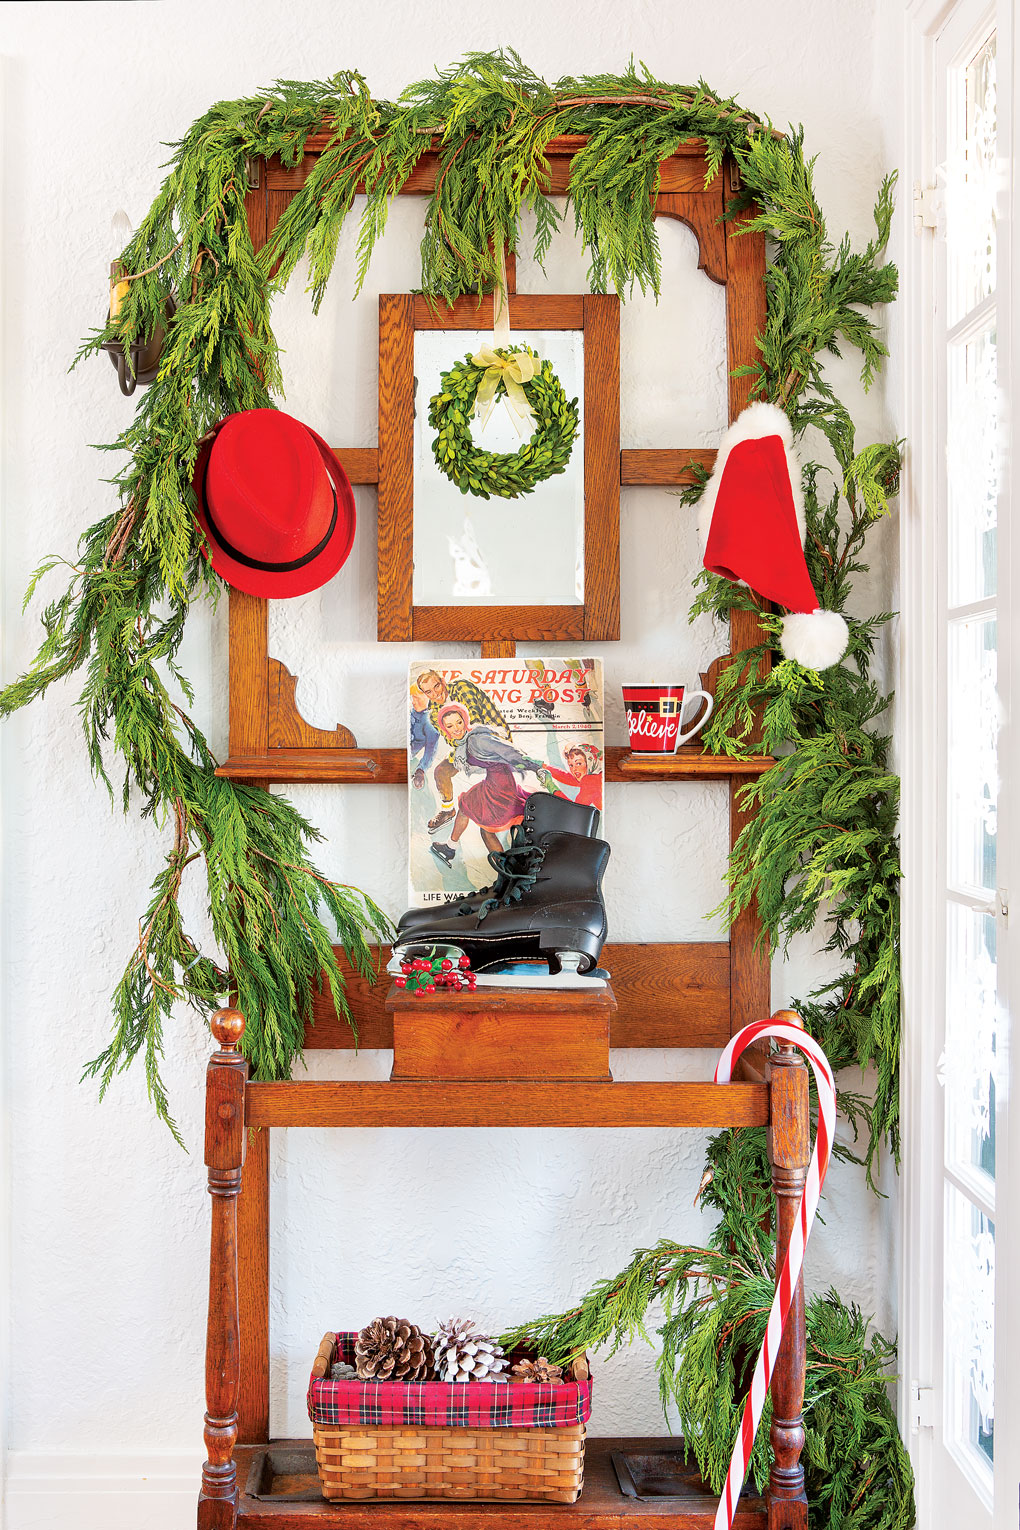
423 974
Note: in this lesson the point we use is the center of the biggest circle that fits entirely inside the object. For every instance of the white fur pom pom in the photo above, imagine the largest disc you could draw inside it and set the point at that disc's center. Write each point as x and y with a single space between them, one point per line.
816 639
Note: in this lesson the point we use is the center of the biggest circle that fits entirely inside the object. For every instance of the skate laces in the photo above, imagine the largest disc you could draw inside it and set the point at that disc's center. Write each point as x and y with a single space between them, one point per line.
517 879
497 860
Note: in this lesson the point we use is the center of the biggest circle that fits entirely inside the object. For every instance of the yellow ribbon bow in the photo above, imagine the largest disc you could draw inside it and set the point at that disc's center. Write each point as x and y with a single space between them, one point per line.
512 371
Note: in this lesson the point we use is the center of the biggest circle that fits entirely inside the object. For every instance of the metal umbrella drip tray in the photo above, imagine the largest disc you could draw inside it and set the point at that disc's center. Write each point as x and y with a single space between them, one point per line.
663 1473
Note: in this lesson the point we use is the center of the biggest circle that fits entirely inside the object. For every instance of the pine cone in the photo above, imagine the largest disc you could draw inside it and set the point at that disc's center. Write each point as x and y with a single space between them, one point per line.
341 1371
537 1370
392 1349
463 1354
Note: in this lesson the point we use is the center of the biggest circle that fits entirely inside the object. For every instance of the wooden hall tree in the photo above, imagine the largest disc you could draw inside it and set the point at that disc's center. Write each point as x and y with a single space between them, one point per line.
692 994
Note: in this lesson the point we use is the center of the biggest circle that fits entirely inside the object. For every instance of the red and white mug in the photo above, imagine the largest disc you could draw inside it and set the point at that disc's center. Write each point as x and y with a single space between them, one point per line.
655 716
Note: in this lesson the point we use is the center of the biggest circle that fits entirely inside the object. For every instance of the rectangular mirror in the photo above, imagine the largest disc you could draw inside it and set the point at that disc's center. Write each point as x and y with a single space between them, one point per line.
470 551
455 566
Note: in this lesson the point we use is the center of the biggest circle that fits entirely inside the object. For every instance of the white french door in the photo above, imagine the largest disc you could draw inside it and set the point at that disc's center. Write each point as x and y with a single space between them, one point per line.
960 837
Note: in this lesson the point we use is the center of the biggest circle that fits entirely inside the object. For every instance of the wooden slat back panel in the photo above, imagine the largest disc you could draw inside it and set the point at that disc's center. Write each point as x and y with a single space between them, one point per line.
669 995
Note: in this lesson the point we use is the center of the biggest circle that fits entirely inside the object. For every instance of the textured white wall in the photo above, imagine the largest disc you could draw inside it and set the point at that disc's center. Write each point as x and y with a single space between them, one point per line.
109 1220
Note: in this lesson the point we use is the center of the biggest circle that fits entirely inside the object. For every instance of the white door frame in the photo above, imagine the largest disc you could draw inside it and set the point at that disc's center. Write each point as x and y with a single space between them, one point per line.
922 693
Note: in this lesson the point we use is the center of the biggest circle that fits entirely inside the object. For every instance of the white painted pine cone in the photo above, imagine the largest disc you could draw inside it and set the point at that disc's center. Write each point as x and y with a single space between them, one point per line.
464 1354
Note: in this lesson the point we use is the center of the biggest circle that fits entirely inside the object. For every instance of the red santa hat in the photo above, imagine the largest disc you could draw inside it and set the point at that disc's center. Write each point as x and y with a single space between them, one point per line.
751 520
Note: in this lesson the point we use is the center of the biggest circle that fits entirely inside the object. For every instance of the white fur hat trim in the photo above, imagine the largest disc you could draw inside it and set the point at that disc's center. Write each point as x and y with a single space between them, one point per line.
816 639
751 424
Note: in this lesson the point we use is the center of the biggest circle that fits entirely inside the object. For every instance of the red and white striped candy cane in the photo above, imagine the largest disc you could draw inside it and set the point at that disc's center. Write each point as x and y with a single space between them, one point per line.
794 1258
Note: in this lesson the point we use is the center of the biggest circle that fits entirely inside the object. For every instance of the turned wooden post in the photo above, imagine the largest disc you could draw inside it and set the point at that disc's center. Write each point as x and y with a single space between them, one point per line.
789 1153
224 1156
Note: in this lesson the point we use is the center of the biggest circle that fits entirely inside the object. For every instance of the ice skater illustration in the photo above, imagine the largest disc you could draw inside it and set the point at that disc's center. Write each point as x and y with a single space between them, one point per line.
495 803
424 737
479 709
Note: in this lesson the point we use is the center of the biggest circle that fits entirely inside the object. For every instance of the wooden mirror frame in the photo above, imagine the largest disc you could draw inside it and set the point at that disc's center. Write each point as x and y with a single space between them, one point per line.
597 619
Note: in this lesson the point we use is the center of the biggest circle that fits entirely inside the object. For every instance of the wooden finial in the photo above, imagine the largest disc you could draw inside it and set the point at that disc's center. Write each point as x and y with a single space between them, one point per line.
789 1017
228 1028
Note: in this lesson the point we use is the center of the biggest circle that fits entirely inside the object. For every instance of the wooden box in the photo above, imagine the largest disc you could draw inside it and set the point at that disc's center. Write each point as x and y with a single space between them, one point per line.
497 1033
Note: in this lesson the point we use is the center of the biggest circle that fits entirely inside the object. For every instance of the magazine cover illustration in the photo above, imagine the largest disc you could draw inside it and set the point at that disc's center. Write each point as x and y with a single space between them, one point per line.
482 736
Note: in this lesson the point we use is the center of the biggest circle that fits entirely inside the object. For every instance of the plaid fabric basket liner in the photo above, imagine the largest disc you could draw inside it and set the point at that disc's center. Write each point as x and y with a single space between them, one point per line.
471 1404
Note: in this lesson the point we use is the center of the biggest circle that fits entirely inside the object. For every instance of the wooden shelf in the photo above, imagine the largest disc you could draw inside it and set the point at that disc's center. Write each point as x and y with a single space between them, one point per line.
548 1102
688 764
601 1505
389 766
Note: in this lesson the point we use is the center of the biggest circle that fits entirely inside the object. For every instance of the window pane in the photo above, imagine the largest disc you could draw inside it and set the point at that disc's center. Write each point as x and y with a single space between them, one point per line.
969 1327
968 1062
971 185
973 729
972 460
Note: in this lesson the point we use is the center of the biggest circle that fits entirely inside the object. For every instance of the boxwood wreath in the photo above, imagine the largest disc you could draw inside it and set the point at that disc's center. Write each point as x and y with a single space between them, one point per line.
505 474
820 852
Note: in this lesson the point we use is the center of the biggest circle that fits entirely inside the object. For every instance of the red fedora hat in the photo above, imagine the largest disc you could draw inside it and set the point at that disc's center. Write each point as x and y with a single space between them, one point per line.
276 507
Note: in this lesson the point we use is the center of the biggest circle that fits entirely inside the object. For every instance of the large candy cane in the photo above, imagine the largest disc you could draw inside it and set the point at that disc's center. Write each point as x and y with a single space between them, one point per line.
794 1258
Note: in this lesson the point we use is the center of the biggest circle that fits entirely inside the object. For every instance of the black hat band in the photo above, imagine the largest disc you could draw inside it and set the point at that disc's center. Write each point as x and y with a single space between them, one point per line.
256 563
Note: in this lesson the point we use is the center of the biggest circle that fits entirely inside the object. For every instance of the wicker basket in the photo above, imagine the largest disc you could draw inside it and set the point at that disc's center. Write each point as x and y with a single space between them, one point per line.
446 1460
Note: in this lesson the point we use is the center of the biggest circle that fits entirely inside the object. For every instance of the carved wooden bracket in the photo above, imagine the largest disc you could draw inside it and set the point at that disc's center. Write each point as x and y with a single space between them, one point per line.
287 728
696 212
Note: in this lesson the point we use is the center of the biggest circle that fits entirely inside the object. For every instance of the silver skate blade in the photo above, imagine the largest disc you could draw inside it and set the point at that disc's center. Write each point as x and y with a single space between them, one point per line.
409 949
517 977
508 974
515 974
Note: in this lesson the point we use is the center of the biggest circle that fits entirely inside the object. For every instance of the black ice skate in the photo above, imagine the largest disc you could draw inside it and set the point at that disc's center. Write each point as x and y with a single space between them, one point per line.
543 812
549 912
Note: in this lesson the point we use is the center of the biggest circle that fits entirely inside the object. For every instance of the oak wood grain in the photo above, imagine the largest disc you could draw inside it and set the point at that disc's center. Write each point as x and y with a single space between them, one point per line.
476 1036
689 762
745 305
750 963
360 463
287 728
396 465
601 1506
529 310
683 171
509 1001
277 201
601 469
467 624
498 648
750 969
701 211
663 467
256 207
669 994
673 994
224 1158
789 1151
253 1290
538 1102
249 673
389 766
